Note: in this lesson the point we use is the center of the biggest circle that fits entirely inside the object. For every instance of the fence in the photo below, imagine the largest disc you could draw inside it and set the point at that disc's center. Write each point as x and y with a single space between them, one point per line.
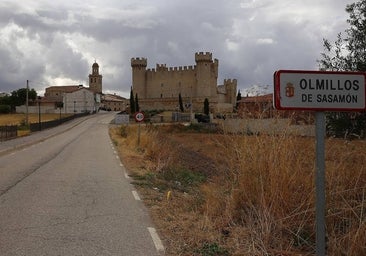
8 132
181 117
33 127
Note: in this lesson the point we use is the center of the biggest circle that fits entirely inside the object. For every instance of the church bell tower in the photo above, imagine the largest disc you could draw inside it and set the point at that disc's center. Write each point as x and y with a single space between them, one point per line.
95 79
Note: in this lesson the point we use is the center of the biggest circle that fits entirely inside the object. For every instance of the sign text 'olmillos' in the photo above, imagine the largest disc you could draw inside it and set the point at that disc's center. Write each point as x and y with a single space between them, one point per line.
319 90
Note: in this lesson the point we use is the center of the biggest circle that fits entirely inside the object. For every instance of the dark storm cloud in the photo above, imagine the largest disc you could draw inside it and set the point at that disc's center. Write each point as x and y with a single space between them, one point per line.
56 43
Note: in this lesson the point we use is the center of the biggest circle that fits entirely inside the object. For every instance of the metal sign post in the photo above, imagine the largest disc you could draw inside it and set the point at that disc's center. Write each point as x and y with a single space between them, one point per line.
320 183
139 117
319 91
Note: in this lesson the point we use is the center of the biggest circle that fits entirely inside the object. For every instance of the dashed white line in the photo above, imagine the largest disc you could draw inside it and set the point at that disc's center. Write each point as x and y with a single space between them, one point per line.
136 196
156 239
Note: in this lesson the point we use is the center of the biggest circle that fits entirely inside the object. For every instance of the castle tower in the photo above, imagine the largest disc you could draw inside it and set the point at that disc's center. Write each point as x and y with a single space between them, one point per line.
139 77
207 72
95 80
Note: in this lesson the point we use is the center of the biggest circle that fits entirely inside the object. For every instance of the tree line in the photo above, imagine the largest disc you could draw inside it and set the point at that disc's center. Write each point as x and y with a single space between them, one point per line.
16 98
347 53
134 104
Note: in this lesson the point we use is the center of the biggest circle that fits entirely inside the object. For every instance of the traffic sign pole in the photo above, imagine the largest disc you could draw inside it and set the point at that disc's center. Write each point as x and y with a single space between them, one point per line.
138 134
139 117
320 183
320 91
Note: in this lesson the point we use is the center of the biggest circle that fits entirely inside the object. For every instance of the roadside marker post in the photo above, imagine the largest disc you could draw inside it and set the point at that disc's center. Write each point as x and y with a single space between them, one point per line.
139 117
319 91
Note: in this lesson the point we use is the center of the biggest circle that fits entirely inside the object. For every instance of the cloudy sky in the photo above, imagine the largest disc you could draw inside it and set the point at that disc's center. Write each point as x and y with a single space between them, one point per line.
56 42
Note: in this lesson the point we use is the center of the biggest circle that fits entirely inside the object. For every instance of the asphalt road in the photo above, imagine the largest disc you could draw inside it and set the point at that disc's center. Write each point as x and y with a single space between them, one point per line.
65 192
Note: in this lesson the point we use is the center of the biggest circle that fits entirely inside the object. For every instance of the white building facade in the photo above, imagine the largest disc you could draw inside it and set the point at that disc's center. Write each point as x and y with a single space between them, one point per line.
81 101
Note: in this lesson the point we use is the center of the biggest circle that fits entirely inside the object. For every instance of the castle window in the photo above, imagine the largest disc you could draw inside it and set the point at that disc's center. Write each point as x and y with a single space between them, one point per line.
161 95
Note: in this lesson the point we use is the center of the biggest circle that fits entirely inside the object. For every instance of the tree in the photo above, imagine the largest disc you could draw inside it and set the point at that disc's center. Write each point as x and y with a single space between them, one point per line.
206 107
132 103
5 109
19 97
238 98
347 54
181 103
5 100
137 107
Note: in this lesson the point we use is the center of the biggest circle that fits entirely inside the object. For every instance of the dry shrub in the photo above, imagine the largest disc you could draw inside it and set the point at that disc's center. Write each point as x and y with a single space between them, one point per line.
259 198
346 197
266 186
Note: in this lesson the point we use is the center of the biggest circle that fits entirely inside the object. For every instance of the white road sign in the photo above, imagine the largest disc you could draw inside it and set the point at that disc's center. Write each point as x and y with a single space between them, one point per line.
139 117
319 90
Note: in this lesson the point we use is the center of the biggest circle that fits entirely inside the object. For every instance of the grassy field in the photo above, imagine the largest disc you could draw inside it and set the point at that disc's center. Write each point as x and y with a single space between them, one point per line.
19 119
220 194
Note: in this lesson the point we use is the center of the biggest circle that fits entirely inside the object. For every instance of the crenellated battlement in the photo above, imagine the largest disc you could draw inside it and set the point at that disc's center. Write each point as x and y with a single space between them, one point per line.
230 81
203 57
138 62
162 67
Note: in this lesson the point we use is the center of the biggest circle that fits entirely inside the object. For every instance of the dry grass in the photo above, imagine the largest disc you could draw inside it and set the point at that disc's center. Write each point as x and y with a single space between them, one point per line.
18 119
257 197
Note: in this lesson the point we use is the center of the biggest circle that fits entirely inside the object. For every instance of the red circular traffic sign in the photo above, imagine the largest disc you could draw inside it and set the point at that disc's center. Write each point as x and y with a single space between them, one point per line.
139 117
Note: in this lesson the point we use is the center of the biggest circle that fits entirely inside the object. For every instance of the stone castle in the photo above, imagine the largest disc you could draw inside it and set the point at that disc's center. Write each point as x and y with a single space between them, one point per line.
159 88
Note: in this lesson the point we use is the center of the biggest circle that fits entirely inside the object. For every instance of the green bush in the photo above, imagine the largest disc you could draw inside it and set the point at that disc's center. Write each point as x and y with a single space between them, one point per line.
181 178
346 125
212 249
5 109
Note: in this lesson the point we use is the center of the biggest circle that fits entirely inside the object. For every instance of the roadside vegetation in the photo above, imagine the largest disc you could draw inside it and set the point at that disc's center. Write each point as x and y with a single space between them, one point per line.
222 194
20 120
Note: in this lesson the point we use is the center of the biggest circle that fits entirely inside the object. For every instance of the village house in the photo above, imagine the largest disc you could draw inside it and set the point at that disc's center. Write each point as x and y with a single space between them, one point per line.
114 102
77 98
261 107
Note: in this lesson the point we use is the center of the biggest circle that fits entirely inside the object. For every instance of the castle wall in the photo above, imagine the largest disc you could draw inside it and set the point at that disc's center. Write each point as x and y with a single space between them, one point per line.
168 83
159 88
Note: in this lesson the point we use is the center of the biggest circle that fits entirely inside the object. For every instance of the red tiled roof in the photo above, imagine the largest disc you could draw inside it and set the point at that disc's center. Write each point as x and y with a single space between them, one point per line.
66 88
261 98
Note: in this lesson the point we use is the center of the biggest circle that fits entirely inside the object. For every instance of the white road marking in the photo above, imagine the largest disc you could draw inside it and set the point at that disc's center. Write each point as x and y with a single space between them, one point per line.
156 239
136 196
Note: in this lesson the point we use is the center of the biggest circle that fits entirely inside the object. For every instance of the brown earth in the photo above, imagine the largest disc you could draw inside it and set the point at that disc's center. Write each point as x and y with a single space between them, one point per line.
182 177
176 208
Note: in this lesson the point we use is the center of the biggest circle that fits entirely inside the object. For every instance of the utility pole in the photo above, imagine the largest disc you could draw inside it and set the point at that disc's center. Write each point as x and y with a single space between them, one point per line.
26 104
